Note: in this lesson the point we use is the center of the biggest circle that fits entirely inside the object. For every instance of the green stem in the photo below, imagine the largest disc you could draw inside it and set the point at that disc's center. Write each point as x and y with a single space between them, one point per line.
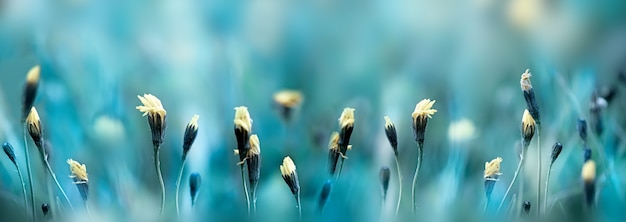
19 173
30 176
54 177
299 206
245 189
157 167
180 176
545 195
420 149
519 167
538 171
399 185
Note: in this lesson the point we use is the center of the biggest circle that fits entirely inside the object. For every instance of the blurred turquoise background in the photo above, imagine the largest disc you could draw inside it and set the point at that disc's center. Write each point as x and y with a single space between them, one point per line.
379 57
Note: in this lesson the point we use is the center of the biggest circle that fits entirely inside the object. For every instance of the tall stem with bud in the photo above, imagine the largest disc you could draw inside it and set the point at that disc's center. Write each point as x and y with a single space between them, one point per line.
423 111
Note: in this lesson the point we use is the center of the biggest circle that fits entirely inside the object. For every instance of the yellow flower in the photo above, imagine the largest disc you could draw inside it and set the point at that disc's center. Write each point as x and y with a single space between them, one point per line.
347 118
492 169
589 171
525 81
255 145
424 109
528 124
288 167
79 171
151 106
242 118
33 121
288 98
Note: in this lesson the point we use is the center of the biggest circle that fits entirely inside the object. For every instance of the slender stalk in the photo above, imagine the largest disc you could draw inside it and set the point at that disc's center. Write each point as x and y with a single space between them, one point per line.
245 189
382 209
299 206
87 209
420 149
157 167
180 176
399 185
545 195
511 204
538 170
519 167
19 173
30 176
54 177
486 204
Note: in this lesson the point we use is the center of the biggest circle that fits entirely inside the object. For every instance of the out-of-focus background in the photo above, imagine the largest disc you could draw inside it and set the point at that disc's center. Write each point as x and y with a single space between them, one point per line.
379 57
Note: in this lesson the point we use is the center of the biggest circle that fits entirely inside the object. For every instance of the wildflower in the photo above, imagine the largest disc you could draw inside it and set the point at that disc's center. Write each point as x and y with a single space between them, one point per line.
153 108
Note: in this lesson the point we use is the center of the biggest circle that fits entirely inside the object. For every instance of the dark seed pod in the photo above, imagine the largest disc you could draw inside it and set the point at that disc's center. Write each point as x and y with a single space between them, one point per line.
45 209
392 136
556 151
190 135
526 207
324 194
384 180
346 125
30 90
586 154
194 185
8 150
243 128
582 129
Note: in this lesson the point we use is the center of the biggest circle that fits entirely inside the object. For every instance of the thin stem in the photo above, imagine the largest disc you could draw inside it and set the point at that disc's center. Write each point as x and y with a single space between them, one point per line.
87 209
180 176
420 149
510 209
299 206
538 171
399 185
30 175
245 189
19 173
54 177
157 167
486 205
382 208
545 195
519 167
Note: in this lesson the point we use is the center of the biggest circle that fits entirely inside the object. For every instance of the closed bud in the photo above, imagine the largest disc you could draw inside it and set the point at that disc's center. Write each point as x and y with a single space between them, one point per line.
8 150
190 135
384 180
392 136
324 194
582 129
195 182
30 90
556 151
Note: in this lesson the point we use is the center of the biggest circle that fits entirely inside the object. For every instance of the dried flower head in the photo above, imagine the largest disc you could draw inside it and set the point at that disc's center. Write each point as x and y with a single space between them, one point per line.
243 128
525 81
423 111
191 132
528 127
8 150
288 98
529 96
242 118
333 152
347 118
33 124
30 90
288 171
79 174
79 171
392 136
153 108
492 169
346 125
